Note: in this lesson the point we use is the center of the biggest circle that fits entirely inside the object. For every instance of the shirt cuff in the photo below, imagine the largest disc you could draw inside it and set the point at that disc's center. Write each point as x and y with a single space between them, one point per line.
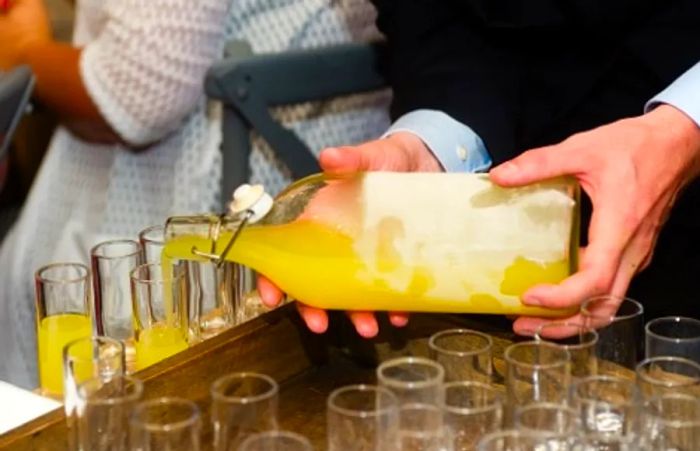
683 93
456 146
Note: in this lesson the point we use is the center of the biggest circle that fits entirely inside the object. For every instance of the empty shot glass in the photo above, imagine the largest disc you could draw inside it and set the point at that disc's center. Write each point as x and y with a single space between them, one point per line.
619 323
84 359
362 418
465 354
414 380
242 404
103 409
536 371
470 410
171 424
659 375
421 428
547 417
580 341
673 336
671 422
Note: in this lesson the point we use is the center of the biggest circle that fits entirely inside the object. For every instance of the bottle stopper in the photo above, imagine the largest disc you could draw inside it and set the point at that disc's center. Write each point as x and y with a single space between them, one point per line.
251 198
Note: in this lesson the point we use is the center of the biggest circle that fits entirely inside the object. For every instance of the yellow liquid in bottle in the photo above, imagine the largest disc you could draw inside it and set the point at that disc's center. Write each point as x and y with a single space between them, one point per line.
54 333
321 266
158 343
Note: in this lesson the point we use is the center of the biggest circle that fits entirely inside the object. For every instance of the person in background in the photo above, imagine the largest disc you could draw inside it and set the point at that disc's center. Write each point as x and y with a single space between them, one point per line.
607 92
138 141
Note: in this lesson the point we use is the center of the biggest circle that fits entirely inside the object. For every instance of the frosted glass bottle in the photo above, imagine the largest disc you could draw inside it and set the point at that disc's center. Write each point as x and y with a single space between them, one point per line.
431 242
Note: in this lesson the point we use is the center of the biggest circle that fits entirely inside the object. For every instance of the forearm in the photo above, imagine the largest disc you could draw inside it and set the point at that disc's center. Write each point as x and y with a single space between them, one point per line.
60 88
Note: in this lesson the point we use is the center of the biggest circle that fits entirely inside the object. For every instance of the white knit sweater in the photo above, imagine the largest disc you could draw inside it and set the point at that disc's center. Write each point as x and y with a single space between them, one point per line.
143 64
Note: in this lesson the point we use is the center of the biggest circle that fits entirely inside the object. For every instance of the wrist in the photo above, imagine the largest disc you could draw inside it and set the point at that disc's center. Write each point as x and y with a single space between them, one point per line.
417 153
682 133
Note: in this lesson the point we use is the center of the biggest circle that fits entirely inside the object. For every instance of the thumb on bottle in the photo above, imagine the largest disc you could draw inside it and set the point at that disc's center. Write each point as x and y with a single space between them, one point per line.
533 166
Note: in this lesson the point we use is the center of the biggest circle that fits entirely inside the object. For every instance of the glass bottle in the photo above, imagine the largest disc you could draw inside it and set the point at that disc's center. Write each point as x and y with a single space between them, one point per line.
431 242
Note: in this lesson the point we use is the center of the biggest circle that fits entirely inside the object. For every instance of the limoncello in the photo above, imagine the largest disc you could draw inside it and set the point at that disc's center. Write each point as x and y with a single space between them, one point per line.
157 343
54 333
407 242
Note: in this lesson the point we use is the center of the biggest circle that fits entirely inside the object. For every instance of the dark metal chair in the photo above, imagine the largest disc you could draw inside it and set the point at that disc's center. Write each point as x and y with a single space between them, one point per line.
249 85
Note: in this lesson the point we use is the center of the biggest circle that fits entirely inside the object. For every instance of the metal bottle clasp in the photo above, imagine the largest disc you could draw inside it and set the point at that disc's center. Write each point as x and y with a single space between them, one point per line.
220 259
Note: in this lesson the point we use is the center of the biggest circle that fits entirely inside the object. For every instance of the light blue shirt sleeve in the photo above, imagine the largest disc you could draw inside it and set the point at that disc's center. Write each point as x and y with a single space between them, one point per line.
456 146
683 93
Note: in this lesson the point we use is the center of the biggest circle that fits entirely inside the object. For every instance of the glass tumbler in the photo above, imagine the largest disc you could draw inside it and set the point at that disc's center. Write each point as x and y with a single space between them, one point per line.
362 418
171 424
160 312
579 340
63 315
103 409
470 411
465 354
671 422
673 336
414 380
242 404
659 375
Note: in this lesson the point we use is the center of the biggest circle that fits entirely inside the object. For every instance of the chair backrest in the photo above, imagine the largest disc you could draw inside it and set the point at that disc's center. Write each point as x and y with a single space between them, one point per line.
249 85
15 90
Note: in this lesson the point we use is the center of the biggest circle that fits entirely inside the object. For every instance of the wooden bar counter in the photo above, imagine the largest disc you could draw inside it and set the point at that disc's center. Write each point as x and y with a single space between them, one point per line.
307 366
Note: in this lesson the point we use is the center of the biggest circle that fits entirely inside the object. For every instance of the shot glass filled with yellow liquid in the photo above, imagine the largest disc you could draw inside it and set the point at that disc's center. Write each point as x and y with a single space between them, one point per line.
63 315
159 299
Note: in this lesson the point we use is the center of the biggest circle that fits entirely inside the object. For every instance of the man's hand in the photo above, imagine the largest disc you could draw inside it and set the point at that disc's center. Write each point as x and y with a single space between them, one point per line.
23 25
400 152
633 170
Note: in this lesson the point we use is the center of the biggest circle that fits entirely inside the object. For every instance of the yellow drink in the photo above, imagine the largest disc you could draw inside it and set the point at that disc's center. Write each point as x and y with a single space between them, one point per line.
326 268
158 343
54 333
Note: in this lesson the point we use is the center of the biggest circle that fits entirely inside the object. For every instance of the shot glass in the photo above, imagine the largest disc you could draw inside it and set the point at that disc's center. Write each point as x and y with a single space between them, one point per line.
242 404
620 323
671 422
536 371
63 315
171 424
606 405
160 312
470 410
673 336
659 375
579 340
103 409
414 380
276 441
421 428
84 359
362 418
464 354
112 263
211 289
546 417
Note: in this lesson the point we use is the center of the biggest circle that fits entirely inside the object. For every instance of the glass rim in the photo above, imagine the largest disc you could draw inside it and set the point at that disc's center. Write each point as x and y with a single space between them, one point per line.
363 413
277 433
92 339
79 278
553 346
497 402
216 387
141 407
410 385
615 317
674 423
111 401
442 350
604 378
178 274
96 250
672 319
687 363
143 234
570 347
